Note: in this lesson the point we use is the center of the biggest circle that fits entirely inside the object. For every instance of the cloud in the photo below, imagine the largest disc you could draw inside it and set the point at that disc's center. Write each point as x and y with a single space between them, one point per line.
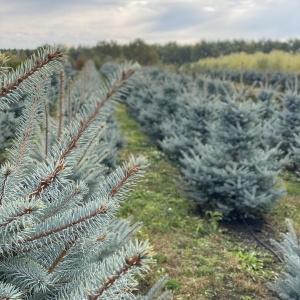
31 23
274 19
278 19
181 16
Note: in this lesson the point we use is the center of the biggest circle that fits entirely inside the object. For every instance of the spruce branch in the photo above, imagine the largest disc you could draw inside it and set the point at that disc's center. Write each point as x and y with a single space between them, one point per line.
60 110
11 174
101 238
64 252
46 129
100 103
112 276
9 292
67 249
62 255
15 217
98 132
81 91
45 182
25 211
28 274
83 125
99 211
36 64
51 235
6 173
153 292
75 225
129 233
27 132
129 171
76 191
46 243
69 101
130 262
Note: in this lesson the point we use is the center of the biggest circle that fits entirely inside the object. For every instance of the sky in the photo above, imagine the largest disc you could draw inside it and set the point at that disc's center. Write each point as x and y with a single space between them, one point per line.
32 23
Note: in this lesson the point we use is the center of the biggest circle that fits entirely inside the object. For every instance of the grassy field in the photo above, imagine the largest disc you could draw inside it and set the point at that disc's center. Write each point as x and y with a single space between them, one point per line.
205 257
275 60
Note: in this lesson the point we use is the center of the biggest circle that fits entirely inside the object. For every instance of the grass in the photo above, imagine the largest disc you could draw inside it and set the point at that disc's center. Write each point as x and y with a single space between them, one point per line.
204 257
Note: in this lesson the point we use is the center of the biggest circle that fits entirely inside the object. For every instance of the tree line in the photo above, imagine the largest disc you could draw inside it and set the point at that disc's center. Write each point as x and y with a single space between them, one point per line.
169 53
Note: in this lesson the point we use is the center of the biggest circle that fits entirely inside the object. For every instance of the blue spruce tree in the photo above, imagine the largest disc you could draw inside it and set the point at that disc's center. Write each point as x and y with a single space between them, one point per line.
231 173
287 125
156 98
59 236
189 124
267 96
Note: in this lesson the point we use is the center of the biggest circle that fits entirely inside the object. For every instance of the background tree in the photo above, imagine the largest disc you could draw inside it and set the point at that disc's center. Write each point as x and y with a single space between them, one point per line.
138 50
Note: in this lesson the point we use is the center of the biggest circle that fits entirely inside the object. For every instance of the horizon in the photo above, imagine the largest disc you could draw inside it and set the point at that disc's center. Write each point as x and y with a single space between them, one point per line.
151 44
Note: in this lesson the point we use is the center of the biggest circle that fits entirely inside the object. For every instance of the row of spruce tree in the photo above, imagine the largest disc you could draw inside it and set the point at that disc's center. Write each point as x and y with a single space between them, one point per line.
231 145
59 237
281 80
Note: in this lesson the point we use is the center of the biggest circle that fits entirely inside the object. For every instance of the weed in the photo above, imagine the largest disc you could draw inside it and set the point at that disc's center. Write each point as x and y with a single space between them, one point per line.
160 257
210 225
173 284
246 298
250 261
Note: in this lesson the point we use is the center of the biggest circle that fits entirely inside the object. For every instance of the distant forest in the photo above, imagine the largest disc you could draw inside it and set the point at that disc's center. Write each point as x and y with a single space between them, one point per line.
171 53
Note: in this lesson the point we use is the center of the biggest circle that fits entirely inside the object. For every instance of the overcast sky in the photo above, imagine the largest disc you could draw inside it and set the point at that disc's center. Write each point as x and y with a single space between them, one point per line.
32 23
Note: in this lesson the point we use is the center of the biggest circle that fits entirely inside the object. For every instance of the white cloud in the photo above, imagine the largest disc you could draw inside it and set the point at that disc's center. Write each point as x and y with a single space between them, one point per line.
31 23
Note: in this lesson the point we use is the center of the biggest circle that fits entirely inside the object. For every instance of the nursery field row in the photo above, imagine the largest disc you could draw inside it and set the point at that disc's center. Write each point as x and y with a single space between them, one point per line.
231 149
204 256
